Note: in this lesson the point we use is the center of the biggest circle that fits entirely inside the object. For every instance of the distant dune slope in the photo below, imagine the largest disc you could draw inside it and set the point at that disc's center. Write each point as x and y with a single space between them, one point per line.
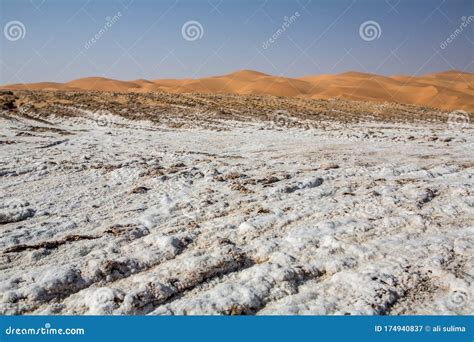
448 90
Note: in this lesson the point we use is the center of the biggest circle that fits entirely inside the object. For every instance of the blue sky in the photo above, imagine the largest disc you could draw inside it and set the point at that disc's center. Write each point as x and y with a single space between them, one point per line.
147 40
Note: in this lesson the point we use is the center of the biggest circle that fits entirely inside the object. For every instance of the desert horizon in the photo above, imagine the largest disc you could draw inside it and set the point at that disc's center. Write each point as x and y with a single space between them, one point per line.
448 90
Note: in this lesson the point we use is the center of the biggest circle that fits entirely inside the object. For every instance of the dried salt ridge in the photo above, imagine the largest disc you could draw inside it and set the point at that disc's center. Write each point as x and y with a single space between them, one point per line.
114 216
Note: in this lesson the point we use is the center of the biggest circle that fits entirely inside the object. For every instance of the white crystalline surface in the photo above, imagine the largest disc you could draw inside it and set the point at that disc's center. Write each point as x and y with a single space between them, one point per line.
133 218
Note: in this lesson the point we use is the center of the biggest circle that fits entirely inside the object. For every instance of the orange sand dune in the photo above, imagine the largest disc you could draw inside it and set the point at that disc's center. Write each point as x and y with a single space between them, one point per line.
446 90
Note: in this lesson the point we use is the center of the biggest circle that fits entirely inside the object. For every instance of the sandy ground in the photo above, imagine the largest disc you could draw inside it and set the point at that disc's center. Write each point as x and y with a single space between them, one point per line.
114 216
450 90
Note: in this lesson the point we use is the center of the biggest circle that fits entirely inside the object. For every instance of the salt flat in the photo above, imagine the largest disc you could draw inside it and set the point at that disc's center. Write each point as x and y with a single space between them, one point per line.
134 217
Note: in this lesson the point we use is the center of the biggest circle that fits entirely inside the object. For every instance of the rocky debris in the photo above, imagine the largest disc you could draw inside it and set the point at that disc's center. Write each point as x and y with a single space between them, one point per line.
305 184
427 196
140 190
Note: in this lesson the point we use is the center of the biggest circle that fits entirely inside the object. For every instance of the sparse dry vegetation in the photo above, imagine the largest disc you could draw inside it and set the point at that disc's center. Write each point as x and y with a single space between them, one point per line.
178 110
